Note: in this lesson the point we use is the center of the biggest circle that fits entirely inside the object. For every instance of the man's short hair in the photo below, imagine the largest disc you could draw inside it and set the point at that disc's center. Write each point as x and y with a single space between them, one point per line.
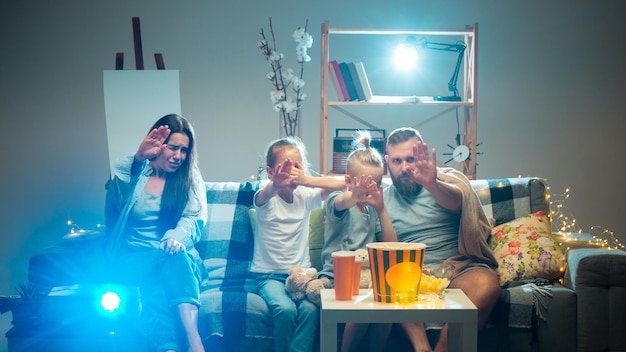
403 134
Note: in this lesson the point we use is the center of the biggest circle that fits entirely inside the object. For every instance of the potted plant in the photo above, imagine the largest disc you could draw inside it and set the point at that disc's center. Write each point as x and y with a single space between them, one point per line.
25 306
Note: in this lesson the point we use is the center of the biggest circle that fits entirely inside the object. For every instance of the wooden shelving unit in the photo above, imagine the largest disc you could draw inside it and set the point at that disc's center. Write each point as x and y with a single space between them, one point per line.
467 87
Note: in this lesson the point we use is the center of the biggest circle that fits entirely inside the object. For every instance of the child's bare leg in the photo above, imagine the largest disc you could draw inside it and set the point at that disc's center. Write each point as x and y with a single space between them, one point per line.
442 343
352 335
417 335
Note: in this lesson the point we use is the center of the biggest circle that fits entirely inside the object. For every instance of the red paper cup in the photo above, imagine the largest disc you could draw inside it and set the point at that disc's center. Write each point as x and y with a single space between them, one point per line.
343 267
396 270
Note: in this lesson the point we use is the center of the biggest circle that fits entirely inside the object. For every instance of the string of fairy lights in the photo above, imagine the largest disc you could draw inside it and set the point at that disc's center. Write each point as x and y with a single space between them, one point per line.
564 224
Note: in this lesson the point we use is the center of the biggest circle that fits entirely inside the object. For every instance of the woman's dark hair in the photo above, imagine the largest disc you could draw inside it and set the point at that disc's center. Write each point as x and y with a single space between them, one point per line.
178 184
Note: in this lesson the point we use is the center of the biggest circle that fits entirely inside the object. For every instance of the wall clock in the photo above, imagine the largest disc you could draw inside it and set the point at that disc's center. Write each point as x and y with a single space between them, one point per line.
460 155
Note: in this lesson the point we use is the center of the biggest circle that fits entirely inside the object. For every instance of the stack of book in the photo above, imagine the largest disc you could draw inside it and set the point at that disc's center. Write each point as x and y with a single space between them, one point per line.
351 84
350 81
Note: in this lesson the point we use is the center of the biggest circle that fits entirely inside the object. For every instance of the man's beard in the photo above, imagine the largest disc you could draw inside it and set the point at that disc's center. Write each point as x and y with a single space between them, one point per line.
407 189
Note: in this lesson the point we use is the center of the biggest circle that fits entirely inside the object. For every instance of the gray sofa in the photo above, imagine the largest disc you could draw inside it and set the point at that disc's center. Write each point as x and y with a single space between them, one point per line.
585 312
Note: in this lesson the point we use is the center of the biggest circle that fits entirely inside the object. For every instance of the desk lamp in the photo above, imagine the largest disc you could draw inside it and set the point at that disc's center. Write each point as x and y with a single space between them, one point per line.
405 56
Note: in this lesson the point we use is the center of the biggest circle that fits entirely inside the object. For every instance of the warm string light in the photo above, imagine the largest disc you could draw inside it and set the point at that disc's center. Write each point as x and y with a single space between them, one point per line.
76 231
74 227
606 236
564 224
561 216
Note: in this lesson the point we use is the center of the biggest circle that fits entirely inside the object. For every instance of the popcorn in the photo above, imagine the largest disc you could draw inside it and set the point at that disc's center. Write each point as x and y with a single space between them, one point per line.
430 283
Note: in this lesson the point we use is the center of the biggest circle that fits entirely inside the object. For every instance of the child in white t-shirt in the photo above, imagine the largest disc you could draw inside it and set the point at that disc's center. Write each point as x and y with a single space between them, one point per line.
281 239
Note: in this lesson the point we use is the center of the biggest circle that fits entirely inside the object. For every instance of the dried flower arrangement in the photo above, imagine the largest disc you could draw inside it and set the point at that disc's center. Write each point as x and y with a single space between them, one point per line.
287 94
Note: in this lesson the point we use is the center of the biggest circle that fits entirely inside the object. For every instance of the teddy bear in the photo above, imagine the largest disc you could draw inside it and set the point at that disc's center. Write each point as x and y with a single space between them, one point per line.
366 270
313 289
304 283
296 282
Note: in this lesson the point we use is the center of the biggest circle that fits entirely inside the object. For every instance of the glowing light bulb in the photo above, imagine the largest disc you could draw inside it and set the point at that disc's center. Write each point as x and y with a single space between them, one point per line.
110 301
405 57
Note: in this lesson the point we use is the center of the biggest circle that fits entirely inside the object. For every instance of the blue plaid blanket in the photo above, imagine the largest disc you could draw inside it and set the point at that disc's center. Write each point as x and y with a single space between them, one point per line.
507 199
230 308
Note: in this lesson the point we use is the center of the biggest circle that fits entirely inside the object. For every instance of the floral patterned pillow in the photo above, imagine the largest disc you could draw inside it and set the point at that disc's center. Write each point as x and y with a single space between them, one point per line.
525 249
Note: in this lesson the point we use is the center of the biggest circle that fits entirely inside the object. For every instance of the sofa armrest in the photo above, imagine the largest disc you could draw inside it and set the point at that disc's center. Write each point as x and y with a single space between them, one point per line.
599 278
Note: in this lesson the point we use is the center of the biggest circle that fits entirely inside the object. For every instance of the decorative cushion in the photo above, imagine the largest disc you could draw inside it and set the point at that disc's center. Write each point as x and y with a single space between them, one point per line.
316 237
525 249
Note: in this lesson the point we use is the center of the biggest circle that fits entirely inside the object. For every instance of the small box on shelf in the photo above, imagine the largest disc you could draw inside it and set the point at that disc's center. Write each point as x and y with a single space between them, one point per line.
342 146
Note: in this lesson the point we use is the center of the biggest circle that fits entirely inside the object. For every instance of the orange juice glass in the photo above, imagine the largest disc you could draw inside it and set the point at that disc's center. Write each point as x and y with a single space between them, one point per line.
343 268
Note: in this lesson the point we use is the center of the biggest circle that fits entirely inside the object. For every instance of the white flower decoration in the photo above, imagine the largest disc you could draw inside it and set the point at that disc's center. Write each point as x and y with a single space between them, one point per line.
287 95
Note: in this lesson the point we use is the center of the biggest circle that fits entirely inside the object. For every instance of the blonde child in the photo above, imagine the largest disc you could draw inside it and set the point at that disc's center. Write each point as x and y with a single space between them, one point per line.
282 239
351 219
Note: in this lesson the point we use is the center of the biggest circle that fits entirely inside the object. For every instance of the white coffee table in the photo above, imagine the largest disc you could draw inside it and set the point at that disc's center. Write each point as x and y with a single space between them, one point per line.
455 309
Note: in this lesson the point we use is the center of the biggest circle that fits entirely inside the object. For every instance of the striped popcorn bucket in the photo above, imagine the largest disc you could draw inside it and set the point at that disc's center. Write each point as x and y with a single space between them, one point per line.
396 270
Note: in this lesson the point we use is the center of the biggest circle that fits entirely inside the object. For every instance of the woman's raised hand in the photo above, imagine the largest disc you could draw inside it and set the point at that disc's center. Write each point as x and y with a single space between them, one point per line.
153 144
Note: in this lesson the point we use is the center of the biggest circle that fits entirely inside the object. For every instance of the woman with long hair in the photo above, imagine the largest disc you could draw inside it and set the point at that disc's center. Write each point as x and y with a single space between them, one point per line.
155 212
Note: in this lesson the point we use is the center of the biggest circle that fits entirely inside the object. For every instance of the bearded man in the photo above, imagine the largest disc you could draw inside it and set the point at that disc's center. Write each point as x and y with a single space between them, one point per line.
438 207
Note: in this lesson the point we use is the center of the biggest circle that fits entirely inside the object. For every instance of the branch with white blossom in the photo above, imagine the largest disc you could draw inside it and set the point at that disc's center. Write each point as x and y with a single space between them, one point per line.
287 94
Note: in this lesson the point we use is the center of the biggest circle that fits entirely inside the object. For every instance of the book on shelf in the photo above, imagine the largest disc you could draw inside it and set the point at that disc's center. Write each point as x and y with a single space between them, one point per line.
345 72
335 80
365 83
333 77
357 82
342 92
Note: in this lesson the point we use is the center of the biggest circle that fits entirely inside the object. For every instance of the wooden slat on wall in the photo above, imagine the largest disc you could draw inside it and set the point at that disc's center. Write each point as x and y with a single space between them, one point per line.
158 57
119 61
137 41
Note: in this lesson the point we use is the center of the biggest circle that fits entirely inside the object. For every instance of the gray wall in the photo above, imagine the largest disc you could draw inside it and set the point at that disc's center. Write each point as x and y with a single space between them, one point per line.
550 85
